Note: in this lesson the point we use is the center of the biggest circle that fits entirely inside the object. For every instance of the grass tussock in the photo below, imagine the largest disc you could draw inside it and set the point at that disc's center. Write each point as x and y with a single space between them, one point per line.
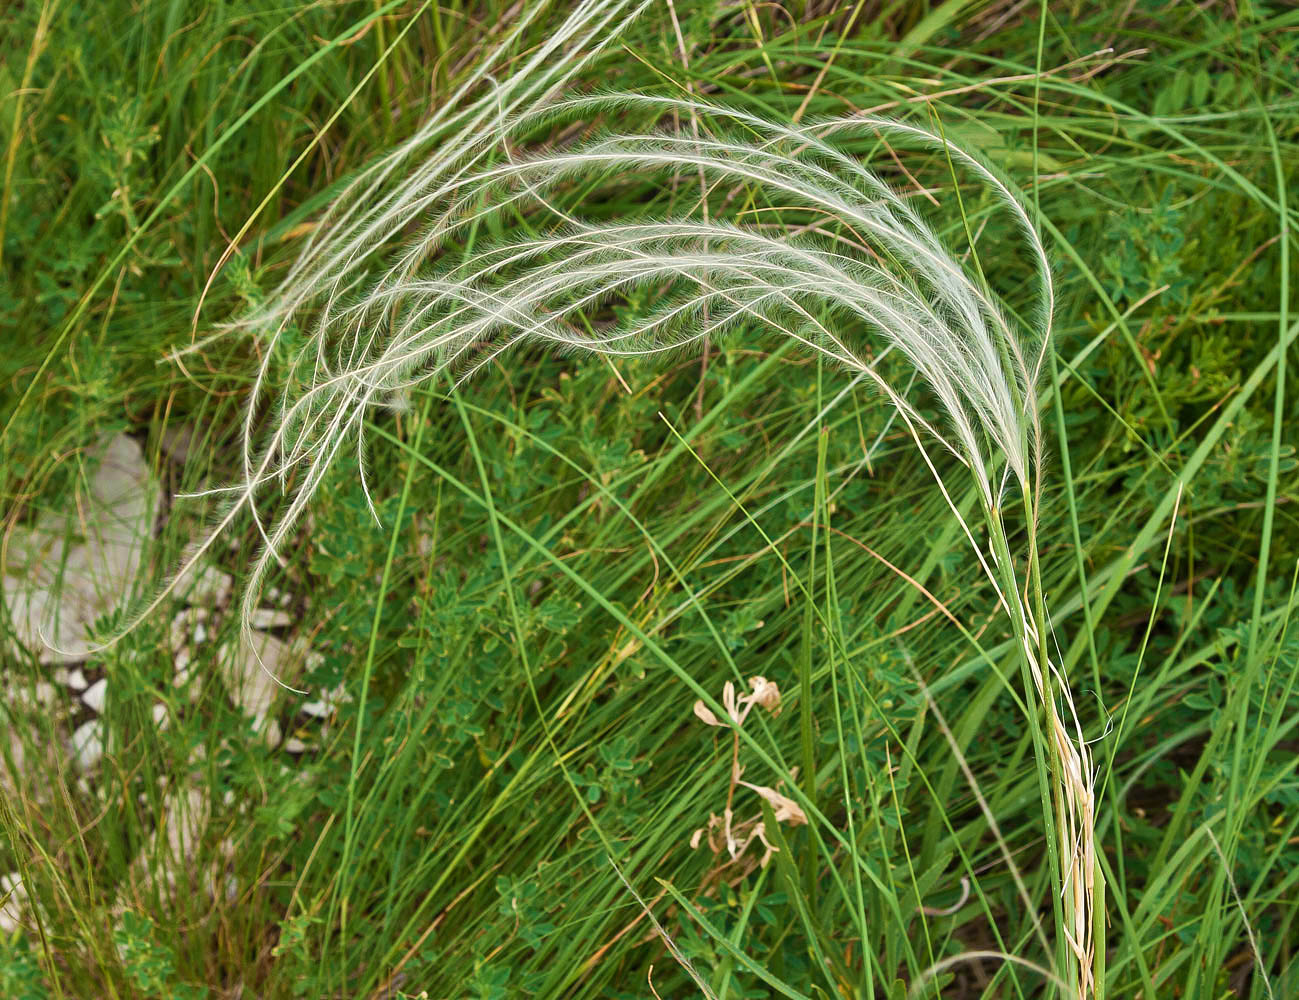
512 381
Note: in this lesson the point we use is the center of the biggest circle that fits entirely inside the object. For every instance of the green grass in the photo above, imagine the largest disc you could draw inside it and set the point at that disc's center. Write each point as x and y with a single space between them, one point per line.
564 566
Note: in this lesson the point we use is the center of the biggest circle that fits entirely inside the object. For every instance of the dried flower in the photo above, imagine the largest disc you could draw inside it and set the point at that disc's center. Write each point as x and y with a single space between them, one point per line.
765 693
705 714
786 809
724 833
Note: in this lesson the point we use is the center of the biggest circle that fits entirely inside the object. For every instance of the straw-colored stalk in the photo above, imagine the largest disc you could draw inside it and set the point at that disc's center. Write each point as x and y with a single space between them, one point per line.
840 260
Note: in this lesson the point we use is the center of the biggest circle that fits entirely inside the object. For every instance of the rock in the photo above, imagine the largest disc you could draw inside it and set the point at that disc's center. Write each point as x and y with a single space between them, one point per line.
187 629
54 588
206 586
22 698
176 442
95 695
185 817
252 670
324 707
12 895
254 674
88 744
175 843
264 618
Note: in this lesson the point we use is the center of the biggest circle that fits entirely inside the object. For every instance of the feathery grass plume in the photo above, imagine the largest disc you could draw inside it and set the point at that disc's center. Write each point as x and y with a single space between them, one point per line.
375 207
846 262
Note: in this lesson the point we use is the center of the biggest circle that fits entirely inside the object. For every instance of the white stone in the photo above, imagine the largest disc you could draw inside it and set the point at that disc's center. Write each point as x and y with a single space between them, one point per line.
264 618
175 842
324 707
295 745
186 681
206 586
252 671
211 587
186 629
176 441
76 680
54 590
95 695
12 895
88 744
184 819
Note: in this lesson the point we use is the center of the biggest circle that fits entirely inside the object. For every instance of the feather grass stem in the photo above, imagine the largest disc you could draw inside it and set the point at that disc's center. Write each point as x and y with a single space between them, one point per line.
433 312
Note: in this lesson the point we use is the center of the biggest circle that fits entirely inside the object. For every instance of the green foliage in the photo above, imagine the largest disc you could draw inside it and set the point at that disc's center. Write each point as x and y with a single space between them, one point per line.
150 965
1148 252
20 974
513 714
